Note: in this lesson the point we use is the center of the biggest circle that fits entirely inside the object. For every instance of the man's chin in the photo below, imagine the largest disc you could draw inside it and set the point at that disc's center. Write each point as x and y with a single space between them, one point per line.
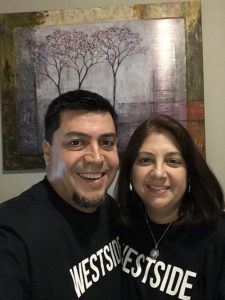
88 202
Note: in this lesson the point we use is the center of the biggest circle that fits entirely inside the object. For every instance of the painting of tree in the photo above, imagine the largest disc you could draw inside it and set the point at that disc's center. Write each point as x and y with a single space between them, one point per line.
81 51
117 43
49 57
126 60
144 58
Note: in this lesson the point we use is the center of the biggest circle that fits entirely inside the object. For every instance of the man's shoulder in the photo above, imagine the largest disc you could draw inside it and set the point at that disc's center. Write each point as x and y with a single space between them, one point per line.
25 206
25 197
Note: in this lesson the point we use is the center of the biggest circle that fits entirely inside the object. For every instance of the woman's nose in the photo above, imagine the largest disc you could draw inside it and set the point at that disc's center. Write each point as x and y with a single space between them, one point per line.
158 170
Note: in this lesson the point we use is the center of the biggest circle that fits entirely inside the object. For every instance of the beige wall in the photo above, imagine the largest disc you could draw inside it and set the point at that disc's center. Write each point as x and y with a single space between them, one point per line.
213 21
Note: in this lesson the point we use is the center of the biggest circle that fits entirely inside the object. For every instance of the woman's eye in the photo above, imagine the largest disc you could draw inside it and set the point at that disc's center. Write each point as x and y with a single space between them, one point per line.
144 160
174 161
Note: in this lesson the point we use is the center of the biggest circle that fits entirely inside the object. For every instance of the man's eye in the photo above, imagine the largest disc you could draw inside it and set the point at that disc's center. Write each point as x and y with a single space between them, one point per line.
74 143
107 143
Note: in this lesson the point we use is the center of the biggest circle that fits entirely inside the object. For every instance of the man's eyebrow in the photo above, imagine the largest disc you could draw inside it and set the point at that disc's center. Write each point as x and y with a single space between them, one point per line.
82 134
110 134
76 133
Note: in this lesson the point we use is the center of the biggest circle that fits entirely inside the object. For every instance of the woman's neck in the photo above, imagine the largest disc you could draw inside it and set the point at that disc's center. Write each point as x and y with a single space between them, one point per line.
161 217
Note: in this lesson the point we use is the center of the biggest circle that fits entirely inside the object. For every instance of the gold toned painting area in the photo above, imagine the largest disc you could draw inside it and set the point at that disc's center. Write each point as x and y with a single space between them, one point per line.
144 58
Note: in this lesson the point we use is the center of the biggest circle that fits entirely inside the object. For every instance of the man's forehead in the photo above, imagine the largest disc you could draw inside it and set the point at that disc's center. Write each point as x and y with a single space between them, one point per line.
84 123
86 116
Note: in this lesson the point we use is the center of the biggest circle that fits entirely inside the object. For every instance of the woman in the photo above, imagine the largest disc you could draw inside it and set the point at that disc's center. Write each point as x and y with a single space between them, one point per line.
173 238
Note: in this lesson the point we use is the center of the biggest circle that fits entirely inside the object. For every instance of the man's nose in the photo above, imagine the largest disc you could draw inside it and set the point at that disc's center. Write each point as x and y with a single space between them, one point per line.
94 154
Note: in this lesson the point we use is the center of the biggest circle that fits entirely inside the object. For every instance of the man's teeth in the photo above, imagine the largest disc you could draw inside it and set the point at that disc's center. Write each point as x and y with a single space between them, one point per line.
91 176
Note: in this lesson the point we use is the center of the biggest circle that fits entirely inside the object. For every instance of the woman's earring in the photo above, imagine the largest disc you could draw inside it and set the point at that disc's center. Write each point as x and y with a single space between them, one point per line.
130 186
189 190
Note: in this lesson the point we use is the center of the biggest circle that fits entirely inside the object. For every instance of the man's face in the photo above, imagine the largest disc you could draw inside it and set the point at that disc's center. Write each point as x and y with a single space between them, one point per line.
82 161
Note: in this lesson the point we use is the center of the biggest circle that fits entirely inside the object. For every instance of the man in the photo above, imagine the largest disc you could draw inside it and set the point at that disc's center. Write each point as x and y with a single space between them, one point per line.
57 239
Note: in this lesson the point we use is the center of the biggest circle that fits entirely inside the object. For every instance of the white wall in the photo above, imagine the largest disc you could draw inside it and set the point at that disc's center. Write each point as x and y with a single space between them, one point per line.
213 20
213 23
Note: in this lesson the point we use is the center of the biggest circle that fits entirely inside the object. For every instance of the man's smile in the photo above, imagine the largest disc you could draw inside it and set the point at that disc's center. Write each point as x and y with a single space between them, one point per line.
92 176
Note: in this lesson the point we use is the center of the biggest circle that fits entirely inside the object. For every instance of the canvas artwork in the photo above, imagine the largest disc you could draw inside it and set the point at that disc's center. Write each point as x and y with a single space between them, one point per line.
145 59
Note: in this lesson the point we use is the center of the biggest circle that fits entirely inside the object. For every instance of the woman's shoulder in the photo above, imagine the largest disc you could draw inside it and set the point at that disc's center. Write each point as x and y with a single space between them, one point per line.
220 228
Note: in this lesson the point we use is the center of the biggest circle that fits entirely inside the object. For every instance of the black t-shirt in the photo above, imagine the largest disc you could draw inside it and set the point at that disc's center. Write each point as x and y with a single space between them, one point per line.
49 250
191 262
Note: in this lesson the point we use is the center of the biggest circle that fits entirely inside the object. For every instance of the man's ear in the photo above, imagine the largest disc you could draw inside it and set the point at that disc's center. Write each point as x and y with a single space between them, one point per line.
47 151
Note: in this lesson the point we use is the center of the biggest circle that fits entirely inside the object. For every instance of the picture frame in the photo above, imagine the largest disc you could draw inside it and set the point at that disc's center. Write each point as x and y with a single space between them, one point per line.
176 90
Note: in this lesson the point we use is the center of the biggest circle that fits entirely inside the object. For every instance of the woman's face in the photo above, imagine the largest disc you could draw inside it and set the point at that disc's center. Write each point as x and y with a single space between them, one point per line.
159 177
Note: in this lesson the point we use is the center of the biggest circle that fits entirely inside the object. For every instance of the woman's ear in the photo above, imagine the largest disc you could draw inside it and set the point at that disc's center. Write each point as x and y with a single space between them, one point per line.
47 152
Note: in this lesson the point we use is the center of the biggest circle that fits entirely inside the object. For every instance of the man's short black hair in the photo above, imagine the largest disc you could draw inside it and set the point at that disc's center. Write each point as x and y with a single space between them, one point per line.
74 100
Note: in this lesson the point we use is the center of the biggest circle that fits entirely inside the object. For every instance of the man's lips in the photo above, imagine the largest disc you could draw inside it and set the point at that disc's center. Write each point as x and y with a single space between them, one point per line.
91 176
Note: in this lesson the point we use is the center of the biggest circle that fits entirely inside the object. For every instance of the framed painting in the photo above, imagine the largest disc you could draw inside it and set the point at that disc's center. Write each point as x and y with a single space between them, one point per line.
144 58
